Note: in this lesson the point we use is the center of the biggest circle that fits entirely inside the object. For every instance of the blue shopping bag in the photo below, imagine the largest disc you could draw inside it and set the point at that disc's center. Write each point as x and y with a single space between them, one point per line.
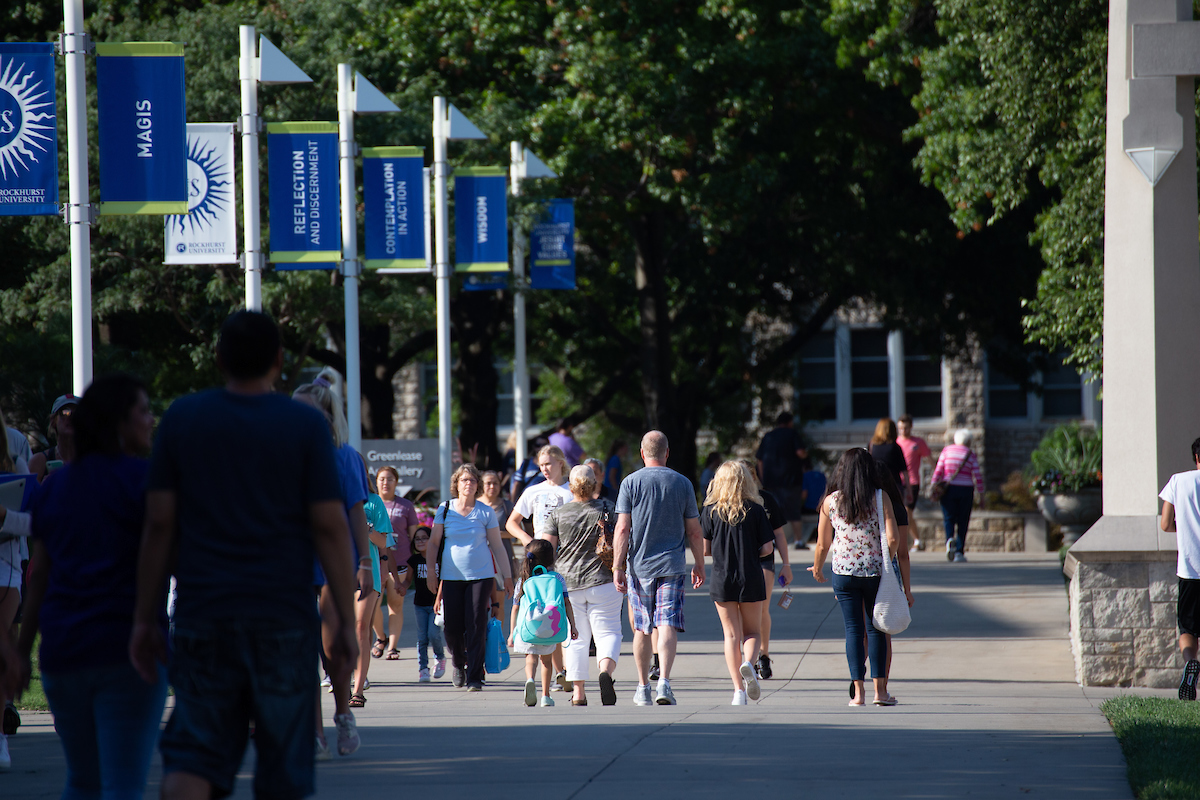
496 658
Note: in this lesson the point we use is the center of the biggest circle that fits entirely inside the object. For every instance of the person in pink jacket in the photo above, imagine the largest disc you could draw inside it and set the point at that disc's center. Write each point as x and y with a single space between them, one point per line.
958 467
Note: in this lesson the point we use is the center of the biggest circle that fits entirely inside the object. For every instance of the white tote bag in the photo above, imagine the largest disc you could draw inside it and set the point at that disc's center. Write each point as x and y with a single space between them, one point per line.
891 614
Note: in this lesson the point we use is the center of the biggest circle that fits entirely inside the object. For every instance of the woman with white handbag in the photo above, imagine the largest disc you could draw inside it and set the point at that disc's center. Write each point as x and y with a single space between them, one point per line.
853 527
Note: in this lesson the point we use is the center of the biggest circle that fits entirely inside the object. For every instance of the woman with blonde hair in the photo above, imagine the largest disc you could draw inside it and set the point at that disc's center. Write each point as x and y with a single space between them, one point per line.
778 522
887 452
737 534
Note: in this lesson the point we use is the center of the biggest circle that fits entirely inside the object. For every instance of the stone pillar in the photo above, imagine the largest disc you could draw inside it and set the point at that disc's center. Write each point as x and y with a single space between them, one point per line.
1122 594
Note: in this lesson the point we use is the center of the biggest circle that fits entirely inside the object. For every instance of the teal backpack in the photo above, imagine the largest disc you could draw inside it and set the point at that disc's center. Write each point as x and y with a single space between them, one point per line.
542 618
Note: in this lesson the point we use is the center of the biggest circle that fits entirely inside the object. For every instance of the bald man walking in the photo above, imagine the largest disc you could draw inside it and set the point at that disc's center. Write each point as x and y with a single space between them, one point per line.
657 521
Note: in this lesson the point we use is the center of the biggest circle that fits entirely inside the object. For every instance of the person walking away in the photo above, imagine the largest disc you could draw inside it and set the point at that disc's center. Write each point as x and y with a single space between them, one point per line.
887 452
575 530
916 452
564 439
14 554
613 468
423 608
602 491
780 458
1181 515
737 534
87 525
813 487
379 531
539 553
245 531
958 467
657 521
527 473
849 530
473 553
778 525
709 472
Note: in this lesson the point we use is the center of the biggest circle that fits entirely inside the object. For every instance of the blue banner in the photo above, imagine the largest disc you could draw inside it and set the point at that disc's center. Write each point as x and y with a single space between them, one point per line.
143 128
394 199
480 220
552 248
28 130
302 182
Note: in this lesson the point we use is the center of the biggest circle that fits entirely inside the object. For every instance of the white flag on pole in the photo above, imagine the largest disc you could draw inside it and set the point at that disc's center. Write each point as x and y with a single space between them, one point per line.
207 234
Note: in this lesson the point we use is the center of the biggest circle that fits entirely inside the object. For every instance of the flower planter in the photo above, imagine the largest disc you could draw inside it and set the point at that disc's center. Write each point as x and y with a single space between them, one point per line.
1074 512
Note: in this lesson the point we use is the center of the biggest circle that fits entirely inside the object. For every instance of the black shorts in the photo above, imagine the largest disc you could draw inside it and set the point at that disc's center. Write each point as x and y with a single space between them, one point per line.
1188 609
789 500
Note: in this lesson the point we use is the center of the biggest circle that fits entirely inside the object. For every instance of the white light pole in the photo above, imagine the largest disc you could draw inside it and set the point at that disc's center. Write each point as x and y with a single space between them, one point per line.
448 123
523 164
269 67
75 45
355 94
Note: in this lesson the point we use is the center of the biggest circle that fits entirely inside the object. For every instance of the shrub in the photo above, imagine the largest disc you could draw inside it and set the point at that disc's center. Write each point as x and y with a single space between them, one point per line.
1067 460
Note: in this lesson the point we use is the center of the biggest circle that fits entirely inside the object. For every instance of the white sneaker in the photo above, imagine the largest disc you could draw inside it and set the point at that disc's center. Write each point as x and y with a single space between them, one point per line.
959 558
949 549
439 669
641 695
327 684
739 698
547 701
348 740
916 546
366 684
561 684
5 758
423 675
665 696
749 680
530 693
323 753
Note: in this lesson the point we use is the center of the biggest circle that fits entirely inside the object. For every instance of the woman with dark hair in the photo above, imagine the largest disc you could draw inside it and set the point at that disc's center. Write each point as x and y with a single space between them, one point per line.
473 552
87 527
849 528
613 467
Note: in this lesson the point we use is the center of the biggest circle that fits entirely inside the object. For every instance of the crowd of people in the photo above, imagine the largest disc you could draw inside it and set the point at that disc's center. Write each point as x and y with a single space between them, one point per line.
277 566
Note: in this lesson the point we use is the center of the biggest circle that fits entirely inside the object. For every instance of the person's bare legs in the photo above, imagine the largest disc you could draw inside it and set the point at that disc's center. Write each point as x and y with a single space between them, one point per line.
606 665
765 626
1187 646
547 674
395 603
364 610
668 640
751 619
642 647
184 786
731 624
339 668
385 583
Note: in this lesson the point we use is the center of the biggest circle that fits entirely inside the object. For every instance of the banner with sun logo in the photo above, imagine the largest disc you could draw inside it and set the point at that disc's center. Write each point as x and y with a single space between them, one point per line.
207 234
28 130
143 119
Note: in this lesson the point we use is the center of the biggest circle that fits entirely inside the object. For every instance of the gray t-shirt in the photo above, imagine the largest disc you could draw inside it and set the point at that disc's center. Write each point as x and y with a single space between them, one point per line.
658 500
575 526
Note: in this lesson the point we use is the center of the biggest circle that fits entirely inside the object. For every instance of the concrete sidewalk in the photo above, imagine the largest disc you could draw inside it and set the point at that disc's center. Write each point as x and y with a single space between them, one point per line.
988 708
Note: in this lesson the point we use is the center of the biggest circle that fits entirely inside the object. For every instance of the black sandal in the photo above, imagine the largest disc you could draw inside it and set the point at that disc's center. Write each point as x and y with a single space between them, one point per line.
357 701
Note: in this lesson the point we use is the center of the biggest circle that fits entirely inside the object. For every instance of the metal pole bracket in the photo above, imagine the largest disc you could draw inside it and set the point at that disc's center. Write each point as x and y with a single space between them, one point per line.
78 213
82 46
351 267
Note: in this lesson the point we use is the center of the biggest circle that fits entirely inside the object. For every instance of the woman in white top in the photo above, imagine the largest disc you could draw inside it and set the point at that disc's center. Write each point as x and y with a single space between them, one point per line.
849 527
471 556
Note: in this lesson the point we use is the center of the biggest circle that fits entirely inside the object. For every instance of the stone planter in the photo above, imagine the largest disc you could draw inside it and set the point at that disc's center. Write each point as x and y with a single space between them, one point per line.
1074 512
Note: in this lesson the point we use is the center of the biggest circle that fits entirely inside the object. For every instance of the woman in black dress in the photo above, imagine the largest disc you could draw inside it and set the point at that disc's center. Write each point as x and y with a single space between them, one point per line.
736 535
884 448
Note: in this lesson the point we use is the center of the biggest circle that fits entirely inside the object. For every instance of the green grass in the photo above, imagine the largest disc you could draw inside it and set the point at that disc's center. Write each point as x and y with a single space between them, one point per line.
34 698
1160 739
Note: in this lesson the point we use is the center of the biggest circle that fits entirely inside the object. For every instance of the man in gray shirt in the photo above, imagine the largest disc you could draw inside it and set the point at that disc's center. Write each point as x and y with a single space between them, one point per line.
657 521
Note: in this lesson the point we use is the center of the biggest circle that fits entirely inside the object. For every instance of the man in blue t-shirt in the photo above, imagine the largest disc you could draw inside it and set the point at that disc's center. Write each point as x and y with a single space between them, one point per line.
657 521
242 493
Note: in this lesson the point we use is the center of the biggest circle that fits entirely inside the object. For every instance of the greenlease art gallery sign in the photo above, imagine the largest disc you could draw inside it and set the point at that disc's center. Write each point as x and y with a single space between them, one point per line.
415 459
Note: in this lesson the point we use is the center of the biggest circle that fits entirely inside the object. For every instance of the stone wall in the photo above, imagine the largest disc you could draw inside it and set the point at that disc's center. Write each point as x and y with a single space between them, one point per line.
1123 623
406 414
988 531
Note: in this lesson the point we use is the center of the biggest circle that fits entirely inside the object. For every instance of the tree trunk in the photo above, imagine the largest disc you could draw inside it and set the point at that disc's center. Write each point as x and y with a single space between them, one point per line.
658 390
476 318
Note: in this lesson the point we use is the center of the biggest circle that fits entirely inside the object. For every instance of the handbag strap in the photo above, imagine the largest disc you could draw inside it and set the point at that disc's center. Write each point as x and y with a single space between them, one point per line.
883 544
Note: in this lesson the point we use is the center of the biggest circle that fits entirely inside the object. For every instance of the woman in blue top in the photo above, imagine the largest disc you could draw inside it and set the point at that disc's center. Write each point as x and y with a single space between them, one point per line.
87 527
613 467
473 552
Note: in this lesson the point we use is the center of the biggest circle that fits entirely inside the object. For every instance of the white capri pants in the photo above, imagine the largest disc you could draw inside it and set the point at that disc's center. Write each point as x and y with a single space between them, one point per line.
597 612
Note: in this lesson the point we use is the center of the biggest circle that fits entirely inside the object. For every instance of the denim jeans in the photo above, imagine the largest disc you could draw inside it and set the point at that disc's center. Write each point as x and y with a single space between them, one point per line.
107 719
427 633
956 513
856 597
231 671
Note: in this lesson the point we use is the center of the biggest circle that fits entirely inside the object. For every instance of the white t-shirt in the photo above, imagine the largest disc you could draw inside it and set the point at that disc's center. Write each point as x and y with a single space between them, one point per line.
1183 492
536 503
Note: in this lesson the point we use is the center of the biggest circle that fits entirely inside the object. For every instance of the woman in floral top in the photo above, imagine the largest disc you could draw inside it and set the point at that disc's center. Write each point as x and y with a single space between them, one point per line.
849 526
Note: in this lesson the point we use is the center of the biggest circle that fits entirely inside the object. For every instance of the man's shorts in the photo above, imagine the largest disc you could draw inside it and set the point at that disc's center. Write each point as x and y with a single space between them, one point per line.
789 500
228 674
1188 608
656 603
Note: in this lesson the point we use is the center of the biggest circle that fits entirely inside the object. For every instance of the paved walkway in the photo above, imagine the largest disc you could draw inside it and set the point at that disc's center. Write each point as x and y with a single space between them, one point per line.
989 708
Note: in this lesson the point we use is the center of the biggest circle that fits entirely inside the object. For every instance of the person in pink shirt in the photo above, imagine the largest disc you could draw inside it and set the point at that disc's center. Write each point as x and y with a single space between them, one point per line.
915 451
958 467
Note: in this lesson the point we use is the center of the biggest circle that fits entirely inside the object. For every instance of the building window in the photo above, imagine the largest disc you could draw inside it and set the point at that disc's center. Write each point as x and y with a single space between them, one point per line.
869 374
1064 393
817 391
922 381
1005 397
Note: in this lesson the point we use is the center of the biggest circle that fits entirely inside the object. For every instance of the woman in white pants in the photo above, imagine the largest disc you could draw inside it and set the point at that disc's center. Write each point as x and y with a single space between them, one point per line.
574 529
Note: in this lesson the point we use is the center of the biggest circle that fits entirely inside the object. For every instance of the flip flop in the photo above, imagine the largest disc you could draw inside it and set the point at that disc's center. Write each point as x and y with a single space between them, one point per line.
392 655
890 700
357 701
377 648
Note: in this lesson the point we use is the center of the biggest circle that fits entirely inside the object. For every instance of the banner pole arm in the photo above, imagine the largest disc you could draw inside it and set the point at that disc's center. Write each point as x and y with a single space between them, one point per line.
346 148
79 208
442 282
248 123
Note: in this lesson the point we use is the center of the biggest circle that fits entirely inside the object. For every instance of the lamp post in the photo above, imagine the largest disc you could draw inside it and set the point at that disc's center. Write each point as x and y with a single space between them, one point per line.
75 46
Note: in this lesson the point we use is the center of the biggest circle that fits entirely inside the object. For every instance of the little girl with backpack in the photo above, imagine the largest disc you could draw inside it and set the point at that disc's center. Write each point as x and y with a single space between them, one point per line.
540 607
